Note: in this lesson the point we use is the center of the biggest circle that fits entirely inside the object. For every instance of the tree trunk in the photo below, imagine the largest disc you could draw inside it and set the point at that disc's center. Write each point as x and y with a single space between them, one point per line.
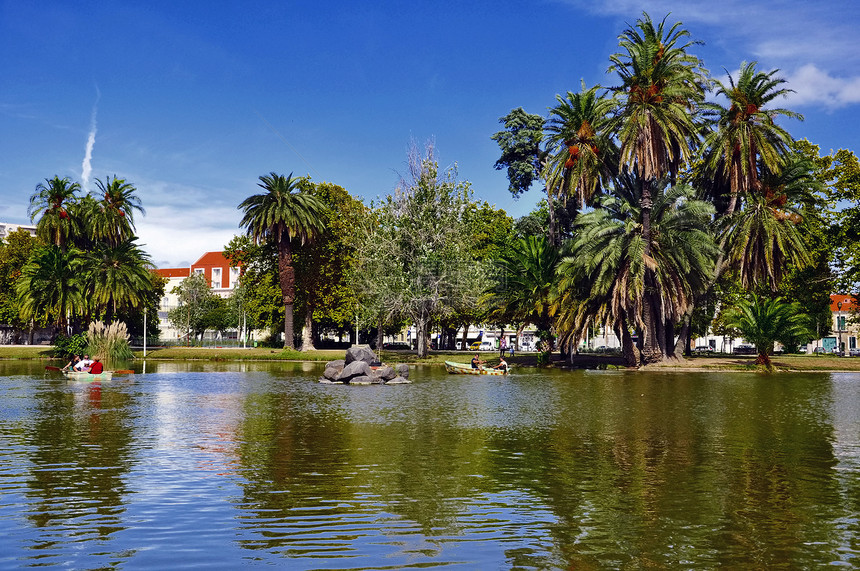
629 350
308 331
421 336
287 278
380 332
651 352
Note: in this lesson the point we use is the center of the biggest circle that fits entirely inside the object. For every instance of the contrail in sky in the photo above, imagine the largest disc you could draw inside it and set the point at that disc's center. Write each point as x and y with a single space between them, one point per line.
86 167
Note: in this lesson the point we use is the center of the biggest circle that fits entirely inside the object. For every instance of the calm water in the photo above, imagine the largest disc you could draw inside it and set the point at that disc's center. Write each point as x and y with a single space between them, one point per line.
231 465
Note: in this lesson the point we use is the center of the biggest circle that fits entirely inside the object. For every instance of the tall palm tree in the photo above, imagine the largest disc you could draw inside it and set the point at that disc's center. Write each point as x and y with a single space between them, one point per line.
656 123
50 288
745 134
762 321
53 200
281 214
116 278
113 219
607 266
581 156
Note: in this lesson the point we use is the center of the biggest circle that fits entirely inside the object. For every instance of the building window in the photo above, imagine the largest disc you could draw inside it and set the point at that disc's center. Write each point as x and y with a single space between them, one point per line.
234 277
216 278
198 270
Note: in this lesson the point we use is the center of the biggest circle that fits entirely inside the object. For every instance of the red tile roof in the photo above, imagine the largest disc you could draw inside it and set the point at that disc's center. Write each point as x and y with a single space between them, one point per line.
212 259
849 302
173 272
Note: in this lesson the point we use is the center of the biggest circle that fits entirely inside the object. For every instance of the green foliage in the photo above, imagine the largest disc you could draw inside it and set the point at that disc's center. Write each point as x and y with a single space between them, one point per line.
199 308
15 251
67 346
521 153
763 321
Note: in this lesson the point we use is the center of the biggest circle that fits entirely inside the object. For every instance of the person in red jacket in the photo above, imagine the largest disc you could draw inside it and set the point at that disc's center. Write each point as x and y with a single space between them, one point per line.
96 368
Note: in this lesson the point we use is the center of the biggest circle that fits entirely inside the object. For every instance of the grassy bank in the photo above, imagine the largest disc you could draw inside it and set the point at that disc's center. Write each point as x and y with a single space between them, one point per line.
698 363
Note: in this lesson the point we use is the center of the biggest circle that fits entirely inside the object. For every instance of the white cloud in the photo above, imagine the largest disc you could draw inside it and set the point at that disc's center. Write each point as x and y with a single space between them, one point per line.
812 85
176 237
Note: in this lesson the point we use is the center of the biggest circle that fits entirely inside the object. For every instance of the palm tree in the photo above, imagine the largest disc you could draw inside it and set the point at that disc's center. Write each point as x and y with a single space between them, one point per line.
745 134
113 220
661 88
762 321
117 278
283 214
525 283
50 288
607 267
581 156
53 200
766 234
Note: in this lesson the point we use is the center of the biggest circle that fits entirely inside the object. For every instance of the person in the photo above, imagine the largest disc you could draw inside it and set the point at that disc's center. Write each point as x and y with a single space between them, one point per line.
73 364
476 362
512 350
502 347
502 365
82 364
96 368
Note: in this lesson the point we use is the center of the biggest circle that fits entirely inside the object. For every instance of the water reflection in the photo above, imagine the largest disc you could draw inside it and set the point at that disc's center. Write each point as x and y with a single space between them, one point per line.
232 464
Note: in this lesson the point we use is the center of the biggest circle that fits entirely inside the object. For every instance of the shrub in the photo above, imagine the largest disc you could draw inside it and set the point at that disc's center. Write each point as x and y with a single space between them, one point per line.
67 346
109 342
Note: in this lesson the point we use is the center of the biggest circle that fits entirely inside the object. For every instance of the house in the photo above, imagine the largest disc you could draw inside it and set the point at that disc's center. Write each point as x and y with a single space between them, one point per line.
222 279
843 307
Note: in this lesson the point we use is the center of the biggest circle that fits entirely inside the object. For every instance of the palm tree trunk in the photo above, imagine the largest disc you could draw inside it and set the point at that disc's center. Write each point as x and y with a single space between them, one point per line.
651 352
287 278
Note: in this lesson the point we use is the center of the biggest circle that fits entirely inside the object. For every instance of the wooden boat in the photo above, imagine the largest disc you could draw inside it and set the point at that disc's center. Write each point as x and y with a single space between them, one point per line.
466 369
84 376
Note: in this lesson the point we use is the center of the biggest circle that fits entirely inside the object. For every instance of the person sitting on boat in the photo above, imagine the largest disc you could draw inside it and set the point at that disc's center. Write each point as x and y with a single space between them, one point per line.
73 364
476 362
86 363
96 368
502 365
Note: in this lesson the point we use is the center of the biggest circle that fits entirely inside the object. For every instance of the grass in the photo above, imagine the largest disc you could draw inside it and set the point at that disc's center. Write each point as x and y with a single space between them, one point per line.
811 363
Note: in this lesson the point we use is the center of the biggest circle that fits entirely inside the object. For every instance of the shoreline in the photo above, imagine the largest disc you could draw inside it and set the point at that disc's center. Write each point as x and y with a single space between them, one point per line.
709 363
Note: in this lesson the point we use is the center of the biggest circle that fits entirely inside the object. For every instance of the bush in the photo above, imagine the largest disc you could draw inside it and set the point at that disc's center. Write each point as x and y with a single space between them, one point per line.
109 342
67 346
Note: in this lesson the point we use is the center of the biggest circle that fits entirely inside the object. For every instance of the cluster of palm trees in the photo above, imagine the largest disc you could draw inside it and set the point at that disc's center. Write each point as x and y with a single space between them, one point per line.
669 192
89 266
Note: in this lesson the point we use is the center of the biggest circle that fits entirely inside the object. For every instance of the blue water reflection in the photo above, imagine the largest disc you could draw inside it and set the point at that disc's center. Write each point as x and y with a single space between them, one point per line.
231 465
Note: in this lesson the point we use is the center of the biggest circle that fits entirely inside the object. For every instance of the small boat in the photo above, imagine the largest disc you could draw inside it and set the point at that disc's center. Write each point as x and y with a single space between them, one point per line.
466 369
84 376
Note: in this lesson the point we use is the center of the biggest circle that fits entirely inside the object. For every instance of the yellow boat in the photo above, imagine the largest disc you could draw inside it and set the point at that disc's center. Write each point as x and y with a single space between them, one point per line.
466 369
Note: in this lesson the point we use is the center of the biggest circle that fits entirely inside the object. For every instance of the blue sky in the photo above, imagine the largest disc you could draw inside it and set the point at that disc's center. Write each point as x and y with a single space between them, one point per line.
193 101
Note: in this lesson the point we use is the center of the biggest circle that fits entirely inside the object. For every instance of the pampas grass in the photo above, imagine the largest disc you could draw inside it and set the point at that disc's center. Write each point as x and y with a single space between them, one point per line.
109 342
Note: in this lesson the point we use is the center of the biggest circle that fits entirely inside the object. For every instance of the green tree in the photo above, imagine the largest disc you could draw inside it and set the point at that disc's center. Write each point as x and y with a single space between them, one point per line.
283 214
744 132
662 86
51 202
50 288
117 278
413 262
112 220
520 143
15 251
260 292
195 303
762 321
324 291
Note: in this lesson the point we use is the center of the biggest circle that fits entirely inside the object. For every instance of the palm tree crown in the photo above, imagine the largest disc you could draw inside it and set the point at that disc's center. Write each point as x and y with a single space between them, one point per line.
113 218
52 200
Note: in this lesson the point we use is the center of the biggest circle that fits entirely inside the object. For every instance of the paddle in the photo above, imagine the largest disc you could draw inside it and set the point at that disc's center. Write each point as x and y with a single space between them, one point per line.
124 372
50 368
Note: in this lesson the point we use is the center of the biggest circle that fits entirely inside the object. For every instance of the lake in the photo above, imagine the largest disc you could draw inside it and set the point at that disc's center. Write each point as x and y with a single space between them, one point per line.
245 464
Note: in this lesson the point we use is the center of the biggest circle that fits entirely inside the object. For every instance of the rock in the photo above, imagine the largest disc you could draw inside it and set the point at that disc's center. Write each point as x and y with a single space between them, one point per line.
354 369
327 382
402 370
361 380
399 381
331 373
338 364
385 373
360 353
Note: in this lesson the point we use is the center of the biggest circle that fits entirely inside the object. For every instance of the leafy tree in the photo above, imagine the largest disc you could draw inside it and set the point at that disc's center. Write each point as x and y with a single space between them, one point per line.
520 143
414 262
282 214
259 289
15 251
323 267
762 321
116 277
196 304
